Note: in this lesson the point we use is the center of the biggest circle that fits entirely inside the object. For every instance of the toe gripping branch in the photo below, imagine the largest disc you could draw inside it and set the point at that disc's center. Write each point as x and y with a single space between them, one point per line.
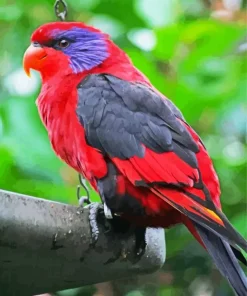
95 210
97 215
116 227
100 213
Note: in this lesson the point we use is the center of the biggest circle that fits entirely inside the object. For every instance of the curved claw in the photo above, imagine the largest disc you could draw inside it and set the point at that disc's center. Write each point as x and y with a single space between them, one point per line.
107 212
83 199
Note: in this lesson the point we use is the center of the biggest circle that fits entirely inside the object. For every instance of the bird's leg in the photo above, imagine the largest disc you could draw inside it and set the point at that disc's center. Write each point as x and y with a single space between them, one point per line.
96 210
107 212
140 245
83 199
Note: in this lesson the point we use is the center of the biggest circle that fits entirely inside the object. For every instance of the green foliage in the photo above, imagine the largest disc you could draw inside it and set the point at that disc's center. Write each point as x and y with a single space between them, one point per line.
190 59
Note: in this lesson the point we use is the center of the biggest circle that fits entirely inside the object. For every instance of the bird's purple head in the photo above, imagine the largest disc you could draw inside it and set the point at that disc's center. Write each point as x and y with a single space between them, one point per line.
86 47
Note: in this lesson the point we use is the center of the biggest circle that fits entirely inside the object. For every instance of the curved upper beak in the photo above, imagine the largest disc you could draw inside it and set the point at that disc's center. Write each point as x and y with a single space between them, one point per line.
33 58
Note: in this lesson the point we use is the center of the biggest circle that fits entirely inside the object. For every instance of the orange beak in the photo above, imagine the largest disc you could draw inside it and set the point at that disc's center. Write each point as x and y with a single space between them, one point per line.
34 58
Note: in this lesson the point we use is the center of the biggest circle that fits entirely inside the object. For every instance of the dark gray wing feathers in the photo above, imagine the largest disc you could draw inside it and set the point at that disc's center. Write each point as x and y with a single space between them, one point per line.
120 118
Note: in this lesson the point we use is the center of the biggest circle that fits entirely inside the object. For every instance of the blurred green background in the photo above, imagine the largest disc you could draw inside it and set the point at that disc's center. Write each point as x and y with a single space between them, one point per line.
190 51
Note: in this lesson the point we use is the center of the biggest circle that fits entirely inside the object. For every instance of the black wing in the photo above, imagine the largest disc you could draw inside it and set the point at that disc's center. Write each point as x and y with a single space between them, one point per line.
120 117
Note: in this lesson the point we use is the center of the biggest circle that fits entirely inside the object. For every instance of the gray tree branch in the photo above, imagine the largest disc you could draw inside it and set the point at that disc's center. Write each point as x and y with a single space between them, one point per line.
46 246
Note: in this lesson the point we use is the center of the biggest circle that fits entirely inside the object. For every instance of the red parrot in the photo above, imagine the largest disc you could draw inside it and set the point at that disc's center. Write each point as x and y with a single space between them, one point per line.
106 120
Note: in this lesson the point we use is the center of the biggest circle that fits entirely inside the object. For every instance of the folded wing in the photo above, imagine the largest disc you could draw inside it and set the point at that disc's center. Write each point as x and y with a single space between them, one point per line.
149 142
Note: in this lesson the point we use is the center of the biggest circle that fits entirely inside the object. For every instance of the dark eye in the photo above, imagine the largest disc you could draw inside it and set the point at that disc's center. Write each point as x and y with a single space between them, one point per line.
63 43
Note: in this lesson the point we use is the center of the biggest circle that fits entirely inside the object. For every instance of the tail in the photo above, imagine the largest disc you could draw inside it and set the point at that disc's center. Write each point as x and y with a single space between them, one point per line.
202 212
224 257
